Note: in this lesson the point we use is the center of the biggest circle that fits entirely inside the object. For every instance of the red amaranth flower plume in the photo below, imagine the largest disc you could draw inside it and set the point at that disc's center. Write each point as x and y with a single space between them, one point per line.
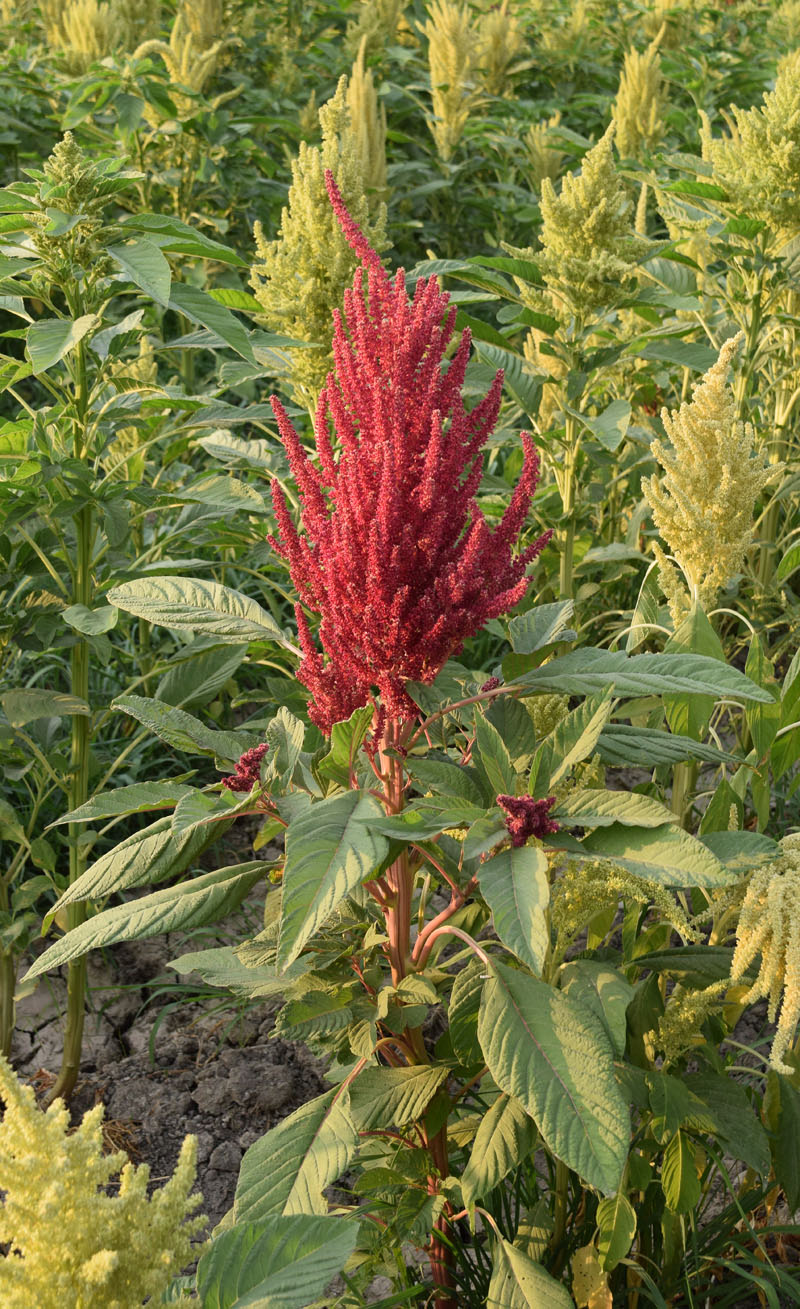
395 555
526 817
248 770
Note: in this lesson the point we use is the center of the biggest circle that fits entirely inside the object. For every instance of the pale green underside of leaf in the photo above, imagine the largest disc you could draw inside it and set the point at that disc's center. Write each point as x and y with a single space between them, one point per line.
666 855
590 672
514 885
505 1138
519 1283
134 799
394 1095
596 808
200 606
556 1059
282 1262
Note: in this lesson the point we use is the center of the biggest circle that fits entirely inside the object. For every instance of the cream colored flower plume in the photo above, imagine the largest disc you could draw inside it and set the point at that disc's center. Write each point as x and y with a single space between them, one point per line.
703 504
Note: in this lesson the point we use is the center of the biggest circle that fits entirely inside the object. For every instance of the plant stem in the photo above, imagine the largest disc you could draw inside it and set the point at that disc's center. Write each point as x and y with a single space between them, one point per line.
567 488
8 981
560 1210
684 779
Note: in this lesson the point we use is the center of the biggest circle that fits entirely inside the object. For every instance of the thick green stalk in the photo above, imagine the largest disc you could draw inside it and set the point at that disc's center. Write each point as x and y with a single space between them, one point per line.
8 982
566 481
684 781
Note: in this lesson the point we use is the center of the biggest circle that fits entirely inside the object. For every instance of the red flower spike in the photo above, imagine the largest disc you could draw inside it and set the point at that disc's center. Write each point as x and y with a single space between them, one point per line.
526 817
248 770
393 553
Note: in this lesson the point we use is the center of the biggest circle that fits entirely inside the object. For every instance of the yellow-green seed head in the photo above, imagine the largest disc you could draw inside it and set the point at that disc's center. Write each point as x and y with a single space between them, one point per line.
589 247
300 277
758 164
703 504
71 1242
769 926
500 41
639 104
453 59
368 125
546 160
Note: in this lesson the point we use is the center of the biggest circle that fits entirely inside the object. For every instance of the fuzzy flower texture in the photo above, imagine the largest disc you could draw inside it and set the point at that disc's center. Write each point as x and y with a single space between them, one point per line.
394 554
248 770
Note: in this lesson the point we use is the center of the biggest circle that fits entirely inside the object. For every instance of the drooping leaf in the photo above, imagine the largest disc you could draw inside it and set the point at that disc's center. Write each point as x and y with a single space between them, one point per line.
284 1261
49 339
143 264
622 744
596 808
519 1283
182 730
515 886
616 1219
134 799
221 966
557 1060
679 1179
540 626
590 672
26 705
381 1096
182 907
197 677
204 607
92 622
667 855
505 1138
739 1128
330 850
287 1170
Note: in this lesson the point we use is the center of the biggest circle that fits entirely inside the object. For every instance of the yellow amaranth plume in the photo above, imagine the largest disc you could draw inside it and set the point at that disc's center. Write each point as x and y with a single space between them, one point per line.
546 159
640 102
769 925
72 1243
453 58
188 64
368 125
500 40
703 505
300 277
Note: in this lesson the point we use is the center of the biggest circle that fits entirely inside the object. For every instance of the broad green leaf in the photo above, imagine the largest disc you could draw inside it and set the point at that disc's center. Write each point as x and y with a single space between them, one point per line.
204 607
689 715
519 378
505 1138
700 965
222 445
493 758
540 626
738 1126
143 264
670 1103
448 779
346 740
519 1283
616 1219
679 1179
599 987
221 966
462 1013
197 677
288 1169
49 339
396 1096
92 622
25 706
514 724
789 562
285 736
228 494
282 1262
666 855
178 238
147 856
645 613
596 808
685 354
570 742
622 744
330 850
134 799
591 672
786 1155
556 1058
198 307
515 886
762 720
183 731
611 426
741 851
176 908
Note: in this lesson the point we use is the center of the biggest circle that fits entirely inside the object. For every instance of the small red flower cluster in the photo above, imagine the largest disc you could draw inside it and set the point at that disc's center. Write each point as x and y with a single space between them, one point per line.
527 817
248 770
395 555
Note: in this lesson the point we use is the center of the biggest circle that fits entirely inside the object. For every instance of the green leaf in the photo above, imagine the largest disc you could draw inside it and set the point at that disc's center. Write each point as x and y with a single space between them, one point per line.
493 757
178 238
198 677
25 706
666 855
595 808
282 1262
540 626
670 1103
741 851
685 354
611 426
221 966
786 1155
143 264
700 965
287 1170
679 1179
394 1096
462 1014
519 1283
738 1127
506 1137
762 720
198 307
789 562
645 613
695 635
330 851
448 779
590 672
515 886
285 736
554 1057
182 907
92 622
205 607
599 987
519 379
148 856
183 731
134 799
616 1219
570 742
49 339
228 494
346 740
622 744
